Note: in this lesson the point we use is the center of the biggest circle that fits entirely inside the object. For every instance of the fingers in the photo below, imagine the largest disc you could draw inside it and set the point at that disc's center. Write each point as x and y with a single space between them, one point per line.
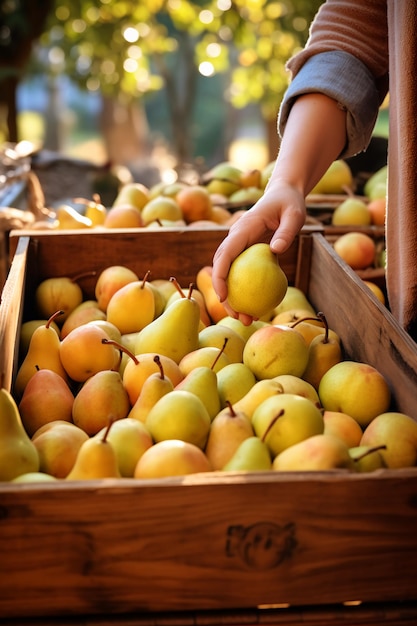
291 224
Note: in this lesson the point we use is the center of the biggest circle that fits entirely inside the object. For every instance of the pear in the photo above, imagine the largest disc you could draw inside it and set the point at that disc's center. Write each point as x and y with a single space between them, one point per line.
275 350
154 387
96 458
355 388
367 458
244 330
233 382
180 415
251 455
296 299
318 452
299 419
132 307
60 293
26 331
208 356
82 314
398 432
43 353
130 439
70 219
139 367
260 391
202 381
46 398
110 280
101 397
343 426
323 352
175 332
172 457
84 353
215 335
256 283
34 477
18 454
295 384
58 444
227 431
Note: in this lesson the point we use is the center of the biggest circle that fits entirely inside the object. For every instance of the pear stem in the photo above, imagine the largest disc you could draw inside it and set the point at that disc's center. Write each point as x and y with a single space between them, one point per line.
271 423
213 365
78 277
121 348
369 451
231 409
157 360
321 316
53 317
145 278
106 432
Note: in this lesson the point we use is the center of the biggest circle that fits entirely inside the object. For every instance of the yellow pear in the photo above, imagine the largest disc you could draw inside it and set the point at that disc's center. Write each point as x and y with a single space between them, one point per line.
101 397
343 426
295 384
294 299
227 431
316 453
259 392
323 352
110 280
172 457
398 433
256 283
43 353
132 307
181 415
337 179
139 367
60 293
355 388
215 335
275 350
251 455
244 330
26 331
57 444
298 419
130 439
84 353
367 458
154 387
174 333
208 356
96 458
202 381
18 455
69 218
82 314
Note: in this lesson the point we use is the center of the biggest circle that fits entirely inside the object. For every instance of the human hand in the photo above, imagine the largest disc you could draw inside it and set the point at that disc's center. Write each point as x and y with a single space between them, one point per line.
276 218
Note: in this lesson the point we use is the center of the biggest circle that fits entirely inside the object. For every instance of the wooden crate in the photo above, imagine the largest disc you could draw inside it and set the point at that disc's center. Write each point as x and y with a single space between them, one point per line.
257 548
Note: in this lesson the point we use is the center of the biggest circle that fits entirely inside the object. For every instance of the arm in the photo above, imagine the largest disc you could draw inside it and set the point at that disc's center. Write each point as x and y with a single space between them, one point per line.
315 135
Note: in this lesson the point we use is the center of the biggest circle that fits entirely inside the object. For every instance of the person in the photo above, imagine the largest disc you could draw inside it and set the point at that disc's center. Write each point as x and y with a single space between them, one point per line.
356 52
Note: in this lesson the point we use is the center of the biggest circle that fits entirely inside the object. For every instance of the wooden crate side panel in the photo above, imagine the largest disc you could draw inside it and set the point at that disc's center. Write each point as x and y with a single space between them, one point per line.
367 329
208 543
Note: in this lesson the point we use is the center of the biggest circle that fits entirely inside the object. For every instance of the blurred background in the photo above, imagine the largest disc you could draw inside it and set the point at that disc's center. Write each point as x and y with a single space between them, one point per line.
160 87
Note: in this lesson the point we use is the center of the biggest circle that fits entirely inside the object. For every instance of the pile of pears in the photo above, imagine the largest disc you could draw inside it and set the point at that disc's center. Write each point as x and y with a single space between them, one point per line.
218 197
150 379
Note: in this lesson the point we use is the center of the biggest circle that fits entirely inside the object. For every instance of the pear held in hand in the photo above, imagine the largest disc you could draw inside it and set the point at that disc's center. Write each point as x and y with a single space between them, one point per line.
256 283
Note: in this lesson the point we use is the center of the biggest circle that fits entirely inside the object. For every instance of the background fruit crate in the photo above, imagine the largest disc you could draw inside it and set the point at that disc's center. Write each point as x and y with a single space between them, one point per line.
237 548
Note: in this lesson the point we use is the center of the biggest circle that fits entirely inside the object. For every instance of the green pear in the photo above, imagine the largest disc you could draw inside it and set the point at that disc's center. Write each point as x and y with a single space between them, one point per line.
154 387
244 330
47 397
216 334
172 457
180 415
174 333
256 283
294 299
34 477
43 353
59 293
233 382
18 454
132 307
367 458
351 212
398 432
376 181
227 431
299 419
101 397
251 455
202 381
96 458
337 179
130 439
318 452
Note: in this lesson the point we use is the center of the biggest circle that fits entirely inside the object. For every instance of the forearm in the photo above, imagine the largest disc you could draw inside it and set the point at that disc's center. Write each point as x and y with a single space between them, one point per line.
314 137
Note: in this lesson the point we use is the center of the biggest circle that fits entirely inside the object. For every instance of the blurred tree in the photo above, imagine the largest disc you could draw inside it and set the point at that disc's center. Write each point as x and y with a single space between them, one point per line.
129 49
21 23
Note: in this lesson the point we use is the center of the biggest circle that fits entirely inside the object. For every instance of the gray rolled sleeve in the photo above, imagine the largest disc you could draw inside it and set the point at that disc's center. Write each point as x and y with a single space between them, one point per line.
347 80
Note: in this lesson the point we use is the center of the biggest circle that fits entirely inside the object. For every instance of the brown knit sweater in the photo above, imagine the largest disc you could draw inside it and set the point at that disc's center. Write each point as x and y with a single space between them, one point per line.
383 35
